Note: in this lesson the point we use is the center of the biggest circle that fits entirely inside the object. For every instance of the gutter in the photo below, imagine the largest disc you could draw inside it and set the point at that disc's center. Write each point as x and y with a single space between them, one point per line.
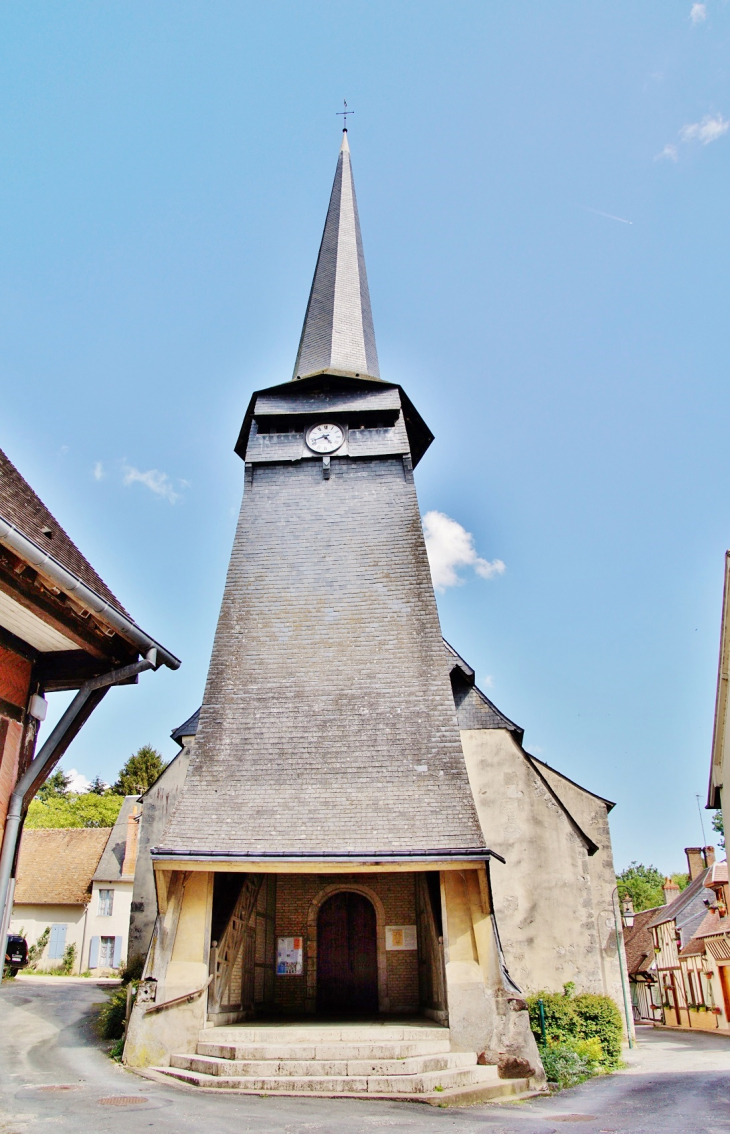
70 584
466 854
82 706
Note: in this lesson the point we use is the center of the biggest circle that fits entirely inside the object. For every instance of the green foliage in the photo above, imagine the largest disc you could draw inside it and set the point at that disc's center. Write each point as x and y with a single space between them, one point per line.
87 810
587 1026
643 884
600 1019
113 1014
718 826
140 771
682 879
572 1062
116 1051
55 787
132 971
35 952
98 787
69 959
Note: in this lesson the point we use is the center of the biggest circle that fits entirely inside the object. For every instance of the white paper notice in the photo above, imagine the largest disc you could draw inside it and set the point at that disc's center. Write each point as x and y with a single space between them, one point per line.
289 956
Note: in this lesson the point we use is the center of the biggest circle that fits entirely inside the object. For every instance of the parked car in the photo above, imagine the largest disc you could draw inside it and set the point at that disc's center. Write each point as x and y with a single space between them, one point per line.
16 954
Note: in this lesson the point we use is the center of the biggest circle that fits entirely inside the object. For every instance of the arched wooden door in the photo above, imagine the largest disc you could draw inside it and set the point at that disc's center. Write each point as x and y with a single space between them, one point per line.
347 956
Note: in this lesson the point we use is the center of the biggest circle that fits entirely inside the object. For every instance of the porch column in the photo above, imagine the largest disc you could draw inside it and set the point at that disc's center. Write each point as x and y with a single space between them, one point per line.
485 1014
176 969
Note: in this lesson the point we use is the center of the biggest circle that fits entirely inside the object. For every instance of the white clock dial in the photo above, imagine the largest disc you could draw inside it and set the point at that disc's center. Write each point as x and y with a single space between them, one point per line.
325 438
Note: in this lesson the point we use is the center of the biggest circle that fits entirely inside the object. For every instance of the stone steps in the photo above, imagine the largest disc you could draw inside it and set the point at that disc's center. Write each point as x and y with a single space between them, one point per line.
284 1066
323 1051
424 1083
367 1060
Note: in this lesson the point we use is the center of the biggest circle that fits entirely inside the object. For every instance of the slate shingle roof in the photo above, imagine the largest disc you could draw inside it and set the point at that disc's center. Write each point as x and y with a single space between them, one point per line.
55 867
688 910
26 511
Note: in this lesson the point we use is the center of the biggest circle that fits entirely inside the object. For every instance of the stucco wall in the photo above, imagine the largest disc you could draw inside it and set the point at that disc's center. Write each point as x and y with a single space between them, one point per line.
543 897
157 806
34 919
592 815
117 925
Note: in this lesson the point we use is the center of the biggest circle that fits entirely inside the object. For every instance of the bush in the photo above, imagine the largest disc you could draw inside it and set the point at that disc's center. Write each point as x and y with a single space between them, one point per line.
568 1064
113 1014
587 1026
601 1019
69 959
36 951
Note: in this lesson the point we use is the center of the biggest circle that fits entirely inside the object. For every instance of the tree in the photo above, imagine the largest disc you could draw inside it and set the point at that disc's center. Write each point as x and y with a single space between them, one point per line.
140 771
643 884
718 825
55 787
87 810
98 786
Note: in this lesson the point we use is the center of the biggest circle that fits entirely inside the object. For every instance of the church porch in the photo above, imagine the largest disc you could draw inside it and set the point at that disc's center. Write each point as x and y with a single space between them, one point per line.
323 945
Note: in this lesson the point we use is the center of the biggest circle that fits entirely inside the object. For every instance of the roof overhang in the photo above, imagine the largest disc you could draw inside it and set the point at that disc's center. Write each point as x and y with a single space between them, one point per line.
419 435
321 862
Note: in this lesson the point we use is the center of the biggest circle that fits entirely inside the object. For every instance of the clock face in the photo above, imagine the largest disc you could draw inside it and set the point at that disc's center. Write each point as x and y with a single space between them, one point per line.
325 438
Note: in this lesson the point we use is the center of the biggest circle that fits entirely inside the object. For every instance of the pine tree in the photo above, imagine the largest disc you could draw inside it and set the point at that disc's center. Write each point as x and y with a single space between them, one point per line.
98 786
140 771
55 787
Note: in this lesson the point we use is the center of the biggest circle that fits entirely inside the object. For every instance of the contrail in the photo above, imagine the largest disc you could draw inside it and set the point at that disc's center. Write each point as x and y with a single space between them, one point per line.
610 216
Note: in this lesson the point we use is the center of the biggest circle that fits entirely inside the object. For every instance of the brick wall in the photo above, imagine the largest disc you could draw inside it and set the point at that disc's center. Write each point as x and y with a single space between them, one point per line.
295 896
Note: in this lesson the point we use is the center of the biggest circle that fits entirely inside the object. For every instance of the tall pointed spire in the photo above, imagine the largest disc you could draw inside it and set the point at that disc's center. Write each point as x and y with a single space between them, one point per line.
338 330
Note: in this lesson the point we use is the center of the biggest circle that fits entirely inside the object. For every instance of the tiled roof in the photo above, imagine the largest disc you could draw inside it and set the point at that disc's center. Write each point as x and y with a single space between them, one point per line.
26 511
639 942
55 866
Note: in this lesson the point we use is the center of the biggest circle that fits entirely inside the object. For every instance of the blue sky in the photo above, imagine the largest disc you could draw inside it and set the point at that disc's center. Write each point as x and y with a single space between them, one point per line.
543 196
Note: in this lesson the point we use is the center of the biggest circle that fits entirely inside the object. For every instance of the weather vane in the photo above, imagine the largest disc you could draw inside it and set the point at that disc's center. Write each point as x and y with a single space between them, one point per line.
345 113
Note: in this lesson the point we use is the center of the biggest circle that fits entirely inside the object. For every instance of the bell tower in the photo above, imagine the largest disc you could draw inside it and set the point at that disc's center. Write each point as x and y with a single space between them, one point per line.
328 721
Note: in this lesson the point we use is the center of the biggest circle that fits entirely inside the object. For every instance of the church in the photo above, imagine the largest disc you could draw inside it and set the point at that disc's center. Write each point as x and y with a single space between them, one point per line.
353 870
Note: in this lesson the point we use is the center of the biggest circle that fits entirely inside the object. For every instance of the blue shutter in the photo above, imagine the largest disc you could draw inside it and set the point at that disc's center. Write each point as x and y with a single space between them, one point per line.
94 953
117 952
57 942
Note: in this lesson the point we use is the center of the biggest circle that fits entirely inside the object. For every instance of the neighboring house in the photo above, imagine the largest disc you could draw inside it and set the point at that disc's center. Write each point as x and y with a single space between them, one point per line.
641 964
688 994
107 919
60 628
53 890
78 882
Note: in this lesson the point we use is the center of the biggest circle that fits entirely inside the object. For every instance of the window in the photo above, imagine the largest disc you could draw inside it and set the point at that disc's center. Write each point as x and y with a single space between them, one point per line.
106 902
106 953
57 942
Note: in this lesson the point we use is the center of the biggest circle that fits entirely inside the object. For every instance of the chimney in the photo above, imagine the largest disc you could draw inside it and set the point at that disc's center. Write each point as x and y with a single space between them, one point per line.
671 891
130 849
698 858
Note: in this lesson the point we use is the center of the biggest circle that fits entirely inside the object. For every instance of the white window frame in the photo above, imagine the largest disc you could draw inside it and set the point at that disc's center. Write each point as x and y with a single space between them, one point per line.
106 903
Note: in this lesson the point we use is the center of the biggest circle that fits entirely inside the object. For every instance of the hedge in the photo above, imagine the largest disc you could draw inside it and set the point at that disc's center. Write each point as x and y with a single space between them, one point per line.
570 1020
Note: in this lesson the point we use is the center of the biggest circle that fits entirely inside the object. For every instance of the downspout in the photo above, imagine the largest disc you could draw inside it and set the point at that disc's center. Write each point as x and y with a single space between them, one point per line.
83 704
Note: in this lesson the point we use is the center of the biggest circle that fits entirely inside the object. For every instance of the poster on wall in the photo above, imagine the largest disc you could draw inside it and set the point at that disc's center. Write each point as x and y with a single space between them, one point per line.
400 937
289 956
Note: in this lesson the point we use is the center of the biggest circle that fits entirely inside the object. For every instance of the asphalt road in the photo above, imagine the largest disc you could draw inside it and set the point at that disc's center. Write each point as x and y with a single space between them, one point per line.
676 1084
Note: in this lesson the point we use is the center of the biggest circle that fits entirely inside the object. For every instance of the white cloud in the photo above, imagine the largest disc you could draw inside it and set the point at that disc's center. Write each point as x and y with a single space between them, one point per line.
157 482
449 547
77 781
99 471
669 152
487 682
708 130
698 13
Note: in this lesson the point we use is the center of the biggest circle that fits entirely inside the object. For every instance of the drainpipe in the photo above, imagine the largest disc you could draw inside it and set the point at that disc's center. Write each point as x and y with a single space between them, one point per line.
83 704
